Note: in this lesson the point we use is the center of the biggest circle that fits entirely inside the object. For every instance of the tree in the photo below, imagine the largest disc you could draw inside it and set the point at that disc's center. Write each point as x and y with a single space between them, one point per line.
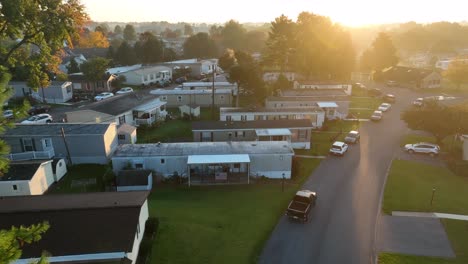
149 48
12 240
227 60
457 72
200 46
103 28
255 40
129 33
95 69
42 25
246 73
382 53
125 54
118 29
188 30
73 67
433 118
282 83
93 40
280 41
233 35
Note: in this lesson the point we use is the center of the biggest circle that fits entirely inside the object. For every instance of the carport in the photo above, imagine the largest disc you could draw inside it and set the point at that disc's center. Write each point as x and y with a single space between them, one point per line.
218 169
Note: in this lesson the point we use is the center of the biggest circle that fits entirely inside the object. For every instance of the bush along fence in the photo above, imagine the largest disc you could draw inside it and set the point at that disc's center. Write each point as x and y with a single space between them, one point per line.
146 246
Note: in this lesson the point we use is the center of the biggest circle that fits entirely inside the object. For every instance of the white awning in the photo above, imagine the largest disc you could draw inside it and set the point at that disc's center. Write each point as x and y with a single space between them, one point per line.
149 106
218 159
327 104
273 132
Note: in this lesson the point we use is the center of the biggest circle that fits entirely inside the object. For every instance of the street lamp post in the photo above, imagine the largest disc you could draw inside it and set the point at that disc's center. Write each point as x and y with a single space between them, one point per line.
433 194
282 184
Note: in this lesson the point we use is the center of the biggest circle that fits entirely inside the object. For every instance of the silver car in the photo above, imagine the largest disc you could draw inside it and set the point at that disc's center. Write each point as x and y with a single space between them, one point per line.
352 137
424 148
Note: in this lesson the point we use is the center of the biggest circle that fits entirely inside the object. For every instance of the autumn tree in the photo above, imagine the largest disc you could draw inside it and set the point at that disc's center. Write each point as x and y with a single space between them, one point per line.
457 72
200 45
129 33
382 54
95 69
42 25
93 40
15 238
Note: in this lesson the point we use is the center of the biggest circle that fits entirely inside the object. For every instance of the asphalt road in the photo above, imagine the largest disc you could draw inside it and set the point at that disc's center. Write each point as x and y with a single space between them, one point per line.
342 226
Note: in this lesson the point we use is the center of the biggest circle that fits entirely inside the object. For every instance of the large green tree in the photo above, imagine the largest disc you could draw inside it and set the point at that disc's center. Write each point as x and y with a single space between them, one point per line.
15 238
246 73
149 49
233 35
95 69
381 54
200 46
129 33
32 34
457 72
125 54
73 67
280 43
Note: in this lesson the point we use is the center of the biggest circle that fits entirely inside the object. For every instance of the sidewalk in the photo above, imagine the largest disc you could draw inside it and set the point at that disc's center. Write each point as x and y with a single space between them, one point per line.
431 215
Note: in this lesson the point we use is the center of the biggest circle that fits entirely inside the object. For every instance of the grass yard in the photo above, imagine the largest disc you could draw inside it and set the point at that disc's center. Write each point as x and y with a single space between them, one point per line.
457 232
169 131
361 113
409 188
219 224
365 102
77 177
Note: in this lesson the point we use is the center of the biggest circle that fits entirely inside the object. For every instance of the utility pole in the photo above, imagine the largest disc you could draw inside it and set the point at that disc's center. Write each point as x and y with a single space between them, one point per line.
213 93
66 146
433 193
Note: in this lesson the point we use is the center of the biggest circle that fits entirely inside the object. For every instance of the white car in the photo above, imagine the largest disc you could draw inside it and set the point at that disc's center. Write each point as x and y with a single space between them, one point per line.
376 116
8 114
418 102
338 148
125 90
38 119
423 147
384 107
103 96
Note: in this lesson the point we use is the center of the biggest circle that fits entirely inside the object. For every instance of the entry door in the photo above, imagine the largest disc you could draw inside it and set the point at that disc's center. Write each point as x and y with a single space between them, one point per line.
46 143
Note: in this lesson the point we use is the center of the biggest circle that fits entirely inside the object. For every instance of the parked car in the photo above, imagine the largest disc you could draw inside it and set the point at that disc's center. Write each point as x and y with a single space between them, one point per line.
352 137
338 148
103 96
301 204
423 147
125 90
181 80
389 98
384 107
38 109
374 92
392 83
8 114
360 85
38 119
376 116
418 102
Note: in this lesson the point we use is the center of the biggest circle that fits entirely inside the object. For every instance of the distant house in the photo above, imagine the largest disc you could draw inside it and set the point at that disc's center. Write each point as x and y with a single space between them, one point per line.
297 132
197 67
79 59
83 143
126 134
412 77
56 92
272 76
209 85
148 75
122 109
122 69
202 98
134 180
209 162
84 228
315 115
315 85
82 86
27 178
335 107
444 63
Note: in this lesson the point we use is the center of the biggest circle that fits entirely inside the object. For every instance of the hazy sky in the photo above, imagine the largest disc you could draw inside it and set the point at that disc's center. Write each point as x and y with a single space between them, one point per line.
348 12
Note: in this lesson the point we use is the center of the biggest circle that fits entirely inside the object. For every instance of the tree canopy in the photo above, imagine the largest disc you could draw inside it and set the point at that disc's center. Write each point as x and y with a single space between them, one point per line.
129 33
457 72
95 69
200 46
381 54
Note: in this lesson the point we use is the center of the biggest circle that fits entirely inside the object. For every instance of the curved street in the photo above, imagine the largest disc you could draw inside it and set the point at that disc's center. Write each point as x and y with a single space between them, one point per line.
342 226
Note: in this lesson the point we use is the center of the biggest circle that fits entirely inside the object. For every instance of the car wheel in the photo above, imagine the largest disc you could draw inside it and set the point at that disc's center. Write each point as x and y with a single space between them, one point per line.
411 151
49 121
432 154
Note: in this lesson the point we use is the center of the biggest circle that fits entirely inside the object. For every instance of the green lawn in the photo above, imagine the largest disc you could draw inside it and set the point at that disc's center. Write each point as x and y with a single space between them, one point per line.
409 188
169 131
218 224
457 232
365 102
82 172
361 113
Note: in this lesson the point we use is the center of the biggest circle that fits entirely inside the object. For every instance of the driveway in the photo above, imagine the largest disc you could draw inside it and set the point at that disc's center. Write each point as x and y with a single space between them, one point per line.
414 236
342 226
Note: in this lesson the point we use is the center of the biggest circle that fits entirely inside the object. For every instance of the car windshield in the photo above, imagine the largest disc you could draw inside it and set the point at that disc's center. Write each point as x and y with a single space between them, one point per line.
377 114
352 135
336 147
301 199
33 118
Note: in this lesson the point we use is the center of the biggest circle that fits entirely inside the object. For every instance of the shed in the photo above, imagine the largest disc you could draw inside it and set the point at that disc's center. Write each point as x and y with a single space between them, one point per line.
134 180
59 168
190 110
27 178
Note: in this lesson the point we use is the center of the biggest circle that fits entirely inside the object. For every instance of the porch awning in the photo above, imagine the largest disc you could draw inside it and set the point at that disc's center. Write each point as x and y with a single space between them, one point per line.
150 106
273 132
327 104
218 159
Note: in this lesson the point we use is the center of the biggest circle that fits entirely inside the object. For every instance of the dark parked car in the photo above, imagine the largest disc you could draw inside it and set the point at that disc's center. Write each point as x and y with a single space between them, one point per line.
374 92
181 80
301 205
38 109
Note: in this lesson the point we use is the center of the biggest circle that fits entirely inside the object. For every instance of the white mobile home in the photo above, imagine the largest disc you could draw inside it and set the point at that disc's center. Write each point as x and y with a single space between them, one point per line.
323 86
149 75
209 85
209 162
202 98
